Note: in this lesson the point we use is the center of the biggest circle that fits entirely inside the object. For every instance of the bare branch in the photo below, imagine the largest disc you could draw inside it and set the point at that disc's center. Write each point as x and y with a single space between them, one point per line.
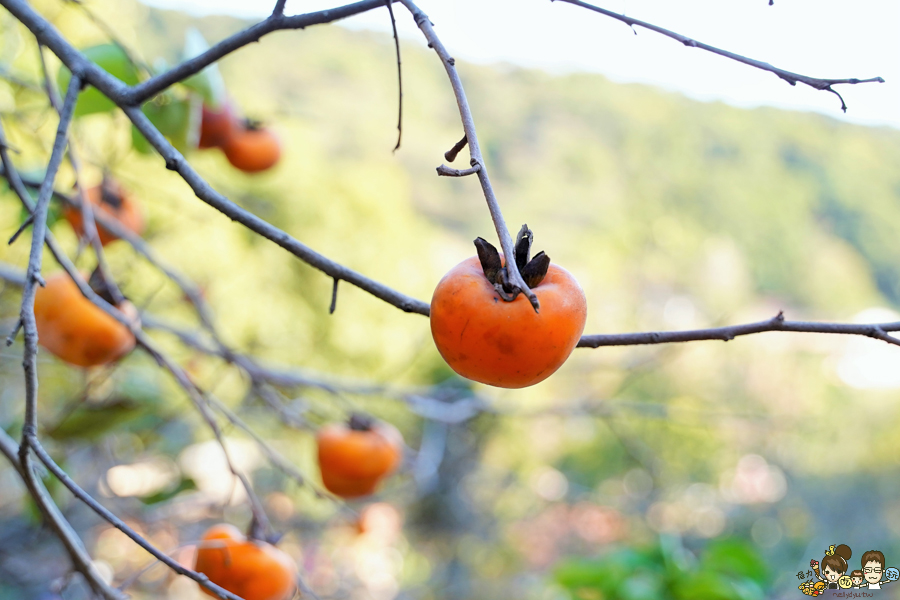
88 226
175 161
468 123
388 3
791 78
80 559
279 8
20 230
446 171
57 522
119 524
877 331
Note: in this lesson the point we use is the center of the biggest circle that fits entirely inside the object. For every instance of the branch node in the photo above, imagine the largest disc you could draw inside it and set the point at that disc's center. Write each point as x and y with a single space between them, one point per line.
172 163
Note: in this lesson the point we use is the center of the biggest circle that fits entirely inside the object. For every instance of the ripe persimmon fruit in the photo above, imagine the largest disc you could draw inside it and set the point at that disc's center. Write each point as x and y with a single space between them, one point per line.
254 570
217 126
77 331
112 201
355 457
489 333
252 148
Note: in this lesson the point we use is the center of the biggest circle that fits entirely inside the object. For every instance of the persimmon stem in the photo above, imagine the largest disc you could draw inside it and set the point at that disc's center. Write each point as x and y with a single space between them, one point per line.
477 160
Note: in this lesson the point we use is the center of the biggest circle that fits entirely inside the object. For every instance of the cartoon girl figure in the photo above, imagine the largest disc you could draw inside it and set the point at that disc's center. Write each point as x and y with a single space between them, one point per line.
857 577
834 565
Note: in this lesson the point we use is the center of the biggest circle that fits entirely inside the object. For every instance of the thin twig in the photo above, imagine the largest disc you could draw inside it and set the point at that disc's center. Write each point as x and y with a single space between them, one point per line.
791 78
80 559
446 171
124 95
474 149
390 8
119 524
279 8
20 230
334 292
88 224
877 331
54 517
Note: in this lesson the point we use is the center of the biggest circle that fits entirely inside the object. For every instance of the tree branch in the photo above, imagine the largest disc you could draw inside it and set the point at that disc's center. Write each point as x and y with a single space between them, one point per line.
477 161
175 161
119 524
791 78
878 331
80 559
124 95
399 75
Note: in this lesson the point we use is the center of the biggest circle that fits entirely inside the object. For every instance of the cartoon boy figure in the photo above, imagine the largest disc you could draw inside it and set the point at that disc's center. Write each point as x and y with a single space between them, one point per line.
873 568
857 578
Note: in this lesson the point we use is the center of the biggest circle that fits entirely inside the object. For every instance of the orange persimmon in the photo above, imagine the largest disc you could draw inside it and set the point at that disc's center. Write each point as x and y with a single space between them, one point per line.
354 457
254 570
252 149
217 126
75 330
501 343
110 200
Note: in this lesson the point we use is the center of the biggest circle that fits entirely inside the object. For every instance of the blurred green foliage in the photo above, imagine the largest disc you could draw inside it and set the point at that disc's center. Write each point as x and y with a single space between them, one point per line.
726 569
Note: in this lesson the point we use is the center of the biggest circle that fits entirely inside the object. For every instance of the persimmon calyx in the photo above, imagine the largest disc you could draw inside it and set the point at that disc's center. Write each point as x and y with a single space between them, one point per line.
110 193
97 282
533 270
360 422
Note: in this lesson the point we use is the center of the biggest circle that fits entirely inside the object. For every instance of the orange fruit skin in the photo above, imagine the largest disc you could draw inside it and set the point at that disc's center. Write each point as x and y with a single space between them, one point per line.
354 462
72 328
252 150
217 126
505 344
251 569
128 214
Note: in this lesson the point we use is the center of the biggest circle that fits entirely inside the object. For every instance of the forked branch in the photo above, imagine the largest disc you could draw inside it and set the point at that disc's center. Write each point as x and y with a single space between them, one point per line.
790 77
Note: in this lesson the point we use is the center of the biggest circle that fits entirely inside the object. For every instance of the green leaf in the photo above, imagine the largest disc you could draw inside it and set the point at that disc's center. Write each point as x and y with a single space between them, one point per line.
184 485
93 421
704 585
114 61
208 83
735 557
176 118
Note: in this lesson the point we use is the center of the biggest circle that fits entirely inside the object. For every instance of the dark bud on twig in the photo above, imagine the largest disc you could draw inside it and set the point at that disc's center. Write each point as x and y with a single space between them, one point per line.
110 193
490 260
98 283
523 247
360 422
452 153
334 291
535 271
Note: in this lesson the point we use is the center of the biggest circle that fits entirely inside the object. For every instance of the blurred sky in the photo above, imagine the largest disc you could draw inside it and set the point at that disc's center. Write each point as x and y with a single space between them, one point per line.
820 38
